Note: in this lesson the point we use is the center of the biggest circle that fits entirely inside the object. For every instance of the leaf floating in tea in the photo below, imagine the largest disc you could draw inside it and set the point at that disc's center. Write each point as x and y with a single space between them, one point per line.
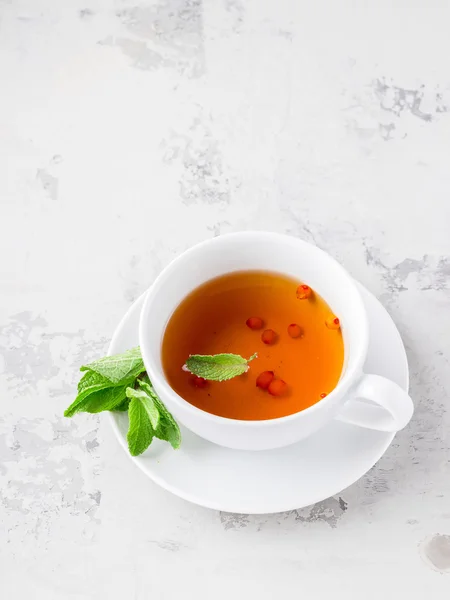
217 367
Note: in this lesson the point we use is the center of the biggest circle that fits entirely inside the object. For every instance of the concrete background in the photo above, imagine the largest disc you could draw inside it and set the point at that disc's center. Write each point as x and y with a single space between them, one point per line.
130 130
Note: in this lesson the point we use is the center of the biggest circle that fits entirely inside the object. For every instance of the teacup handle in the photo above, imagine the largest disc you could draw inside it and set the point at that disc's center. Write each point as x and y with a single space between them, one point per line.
391 410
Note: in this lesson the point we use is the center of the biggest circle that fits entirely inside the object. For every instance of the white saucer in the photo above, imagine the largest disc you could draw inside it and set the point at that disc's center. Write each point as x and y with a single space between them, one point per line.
273 480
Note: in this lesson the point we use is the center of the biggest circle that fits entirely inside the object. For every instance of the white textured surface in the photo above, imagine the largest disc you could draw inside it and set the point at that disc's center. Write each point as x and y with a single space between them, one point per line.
130 130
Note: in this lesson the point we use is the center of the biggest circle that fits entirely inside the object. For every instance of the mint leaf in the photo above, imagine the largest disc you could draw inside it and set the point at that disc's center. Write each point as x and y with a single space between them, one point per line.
149 418
95 388
168 429
218 367
88 384
104 399
114 383
123 406
148 404
91 382
140 431
119 368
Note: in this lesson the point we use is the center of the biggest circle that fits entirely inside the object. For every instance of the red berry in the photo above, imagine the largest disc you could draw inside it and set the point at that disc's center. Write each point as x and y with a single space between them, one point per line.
254 323
333 322
269 336
303 292
295 331
263 380
277 387
199 382
323 395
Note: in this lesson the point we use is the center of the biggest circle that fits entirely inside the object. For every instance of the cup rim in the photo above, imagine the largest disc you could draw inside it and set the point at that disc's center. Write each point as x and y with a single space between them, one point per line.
342 386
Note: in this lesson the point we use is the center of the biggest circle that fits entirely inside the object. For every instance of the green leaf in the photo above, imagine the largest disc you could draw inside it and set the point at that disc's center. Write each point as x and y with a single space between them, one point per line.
149 418
110 384
218 367
95 388
91 382
147 402
105 399
123 406
120 368
88 384
140 431
168 429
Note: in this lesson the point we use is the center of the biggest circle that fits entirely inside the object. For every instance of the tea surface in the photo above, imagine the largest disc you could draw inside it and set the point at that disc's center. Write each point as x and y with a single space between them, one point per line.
212 319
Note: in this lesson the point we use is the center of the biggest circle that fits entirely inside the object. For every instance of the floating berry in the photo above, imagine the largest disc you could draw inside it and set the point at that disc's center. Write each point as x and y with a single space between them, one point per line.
254 323
333 322
303 292
263 380
295 331
269 336
199 382
277 387
323 395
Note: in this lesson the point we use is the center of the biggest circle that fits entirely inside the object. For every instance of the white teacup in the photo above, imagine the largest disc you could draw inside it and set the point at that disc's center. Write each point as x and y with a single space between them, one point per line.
389 407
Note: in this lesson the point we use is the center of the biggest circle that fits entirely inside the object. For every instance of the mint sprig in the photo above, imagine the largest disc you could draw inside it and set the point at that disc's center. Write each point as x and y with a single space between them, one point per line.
218 367
120 383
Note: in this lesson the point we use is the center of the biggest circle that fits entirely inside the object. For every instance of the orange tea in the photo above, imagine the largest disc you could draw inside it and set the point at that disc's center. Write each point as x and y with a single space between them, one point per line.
297 338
